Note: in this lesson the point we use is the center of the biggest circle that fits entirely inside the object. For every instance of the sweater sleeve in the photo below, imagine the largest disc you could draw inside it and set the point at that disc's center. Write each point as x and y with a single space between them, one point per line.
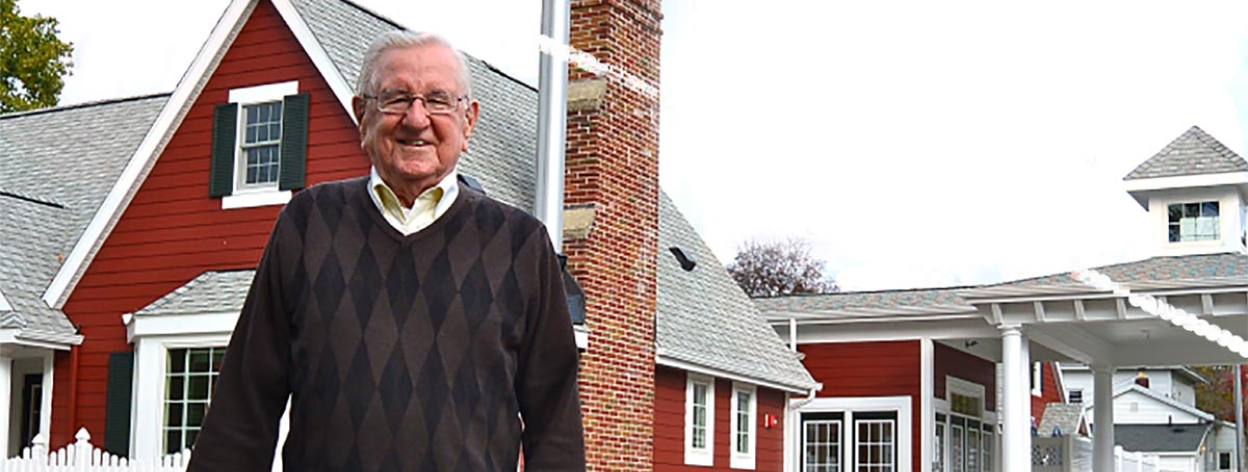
550 405
241 426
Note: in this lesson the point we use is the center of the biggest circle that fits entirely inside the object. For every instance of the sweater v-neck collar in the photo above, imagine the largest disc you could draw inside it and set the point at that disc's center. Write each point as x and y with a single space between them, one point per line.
365 204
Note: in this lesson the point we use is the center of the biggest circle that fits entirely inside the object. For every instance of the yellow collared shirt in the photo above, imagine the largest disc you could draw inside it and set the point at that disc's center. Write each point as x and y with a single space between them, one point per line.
428 207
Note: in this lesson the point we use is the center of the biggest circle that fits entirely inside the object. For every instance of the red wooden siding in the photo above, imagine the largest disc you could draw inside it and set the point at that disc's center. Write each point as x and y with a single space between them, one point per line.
969 367
870 369
1050 391
172 231
669 425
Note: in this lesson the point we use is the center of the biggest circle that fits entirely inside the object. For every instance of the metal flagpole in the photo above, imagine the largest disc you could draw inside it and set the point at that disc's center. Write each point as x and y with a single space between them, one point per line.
552 91
1239 417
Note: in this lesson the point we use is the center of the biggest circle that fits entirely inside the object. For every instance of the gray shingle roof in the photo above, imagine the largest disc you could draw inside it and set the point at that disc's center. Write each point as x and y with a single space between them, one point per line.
1160 437
1171 268
210 292
859 304
50 187
1063 418
704 318
850 305
503 147
1192 153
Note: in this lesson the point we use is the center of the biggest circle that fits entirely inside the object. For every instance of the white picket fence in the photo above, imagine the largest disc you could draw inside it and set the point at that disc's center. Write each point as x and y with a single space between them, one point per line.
84 457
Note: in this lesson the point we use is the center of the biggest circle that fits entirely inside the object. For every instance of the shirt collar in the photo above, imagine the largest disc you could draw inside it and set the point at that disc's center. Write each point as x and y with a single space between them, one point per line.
386 200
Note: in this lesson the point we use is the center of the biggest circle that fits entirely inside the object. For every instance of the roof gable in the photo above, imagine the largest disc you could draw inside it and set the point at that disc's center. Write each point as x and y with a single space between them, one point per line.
1193 153
705 320
53 186
1133 389
311 22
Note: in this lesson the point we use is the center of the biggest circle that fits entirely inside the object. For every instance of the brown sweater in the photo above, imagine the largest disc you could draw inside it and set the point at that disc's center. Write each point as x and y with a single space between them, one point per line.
401 353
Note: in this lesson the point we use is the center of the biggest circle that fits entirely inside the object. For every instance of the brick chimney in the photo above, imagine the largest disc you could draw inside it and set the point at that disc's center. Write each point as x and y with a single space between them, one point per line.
611 186
1141 379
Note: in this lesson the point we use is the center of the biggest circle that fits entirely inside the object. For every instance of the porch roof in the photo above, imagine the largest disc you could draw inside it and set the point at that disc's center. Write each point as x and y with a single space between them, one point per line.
210 292
1161 437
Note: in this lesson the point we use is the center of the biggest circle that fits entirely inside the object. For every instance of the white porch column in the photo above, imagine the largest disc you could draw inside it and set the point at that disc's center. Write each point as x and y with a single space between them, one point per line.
6 390
1103 418
1015 404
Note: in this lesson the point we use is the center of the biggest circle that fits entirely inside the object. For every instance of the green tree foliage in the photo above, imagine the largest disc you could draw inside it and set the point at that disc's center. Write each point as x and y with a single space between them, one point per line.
1218 396
33 60
775 268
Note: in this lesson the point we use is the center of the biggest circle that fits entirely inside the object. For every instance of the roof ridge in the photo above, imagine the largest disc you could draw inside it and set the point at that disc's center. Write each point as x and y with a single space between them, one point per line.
88 104
403 27
861 292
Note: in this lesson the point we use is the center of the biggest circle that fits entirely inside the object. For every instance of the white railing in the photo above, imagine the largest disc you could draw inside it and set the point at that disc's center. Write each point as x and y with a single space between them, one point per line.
84 457
1074 454
1135 461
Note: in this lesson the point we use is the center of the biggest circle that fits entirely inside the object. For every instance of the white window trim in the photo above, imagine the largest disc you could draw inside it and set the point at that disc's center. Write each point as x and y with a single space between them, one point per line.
151 362
1216 241
255 197
704 457
736 459
902 405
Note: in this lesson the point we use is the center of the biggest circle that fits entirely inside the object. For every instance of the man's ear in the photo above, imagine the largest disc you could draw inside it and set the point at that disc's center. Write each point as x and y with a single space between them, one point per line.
470 121
357 106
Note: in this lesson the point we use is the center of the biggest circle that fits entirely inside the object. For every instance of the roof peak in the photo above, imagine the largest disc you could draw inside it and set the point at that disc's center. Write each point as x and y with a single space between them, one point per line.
1194 152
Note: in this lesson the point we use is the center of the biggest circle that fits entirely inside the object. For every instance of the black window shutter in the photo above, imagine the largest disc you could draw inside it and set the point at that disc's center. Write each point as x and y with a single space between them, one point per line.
294 141
117 409
224 129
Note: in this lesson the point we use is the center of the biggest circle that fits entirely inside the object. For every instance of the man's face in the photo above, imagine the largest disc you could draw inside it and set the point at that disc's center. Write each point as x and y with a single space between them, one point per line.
415 148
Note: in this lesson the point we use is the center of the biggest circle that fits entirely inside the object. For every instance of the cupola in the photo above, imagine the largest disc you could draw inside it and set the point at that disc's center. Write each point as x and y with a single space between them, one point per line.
1195 191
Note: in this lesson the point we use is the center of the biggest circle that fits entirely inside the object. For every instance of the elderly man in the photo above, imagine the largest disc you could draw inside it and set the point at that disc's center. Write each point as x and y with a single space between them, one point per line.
412 321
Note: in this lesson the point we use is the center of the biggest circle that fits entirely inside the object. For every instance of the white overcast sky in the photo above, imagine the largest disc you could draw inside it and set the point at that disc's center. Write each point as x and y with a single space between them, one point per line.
915 143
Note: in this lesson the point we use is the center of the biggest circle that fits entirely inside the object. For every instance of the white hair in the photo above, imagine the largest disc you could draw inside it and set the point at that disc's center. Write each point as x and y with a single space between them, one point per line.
398 39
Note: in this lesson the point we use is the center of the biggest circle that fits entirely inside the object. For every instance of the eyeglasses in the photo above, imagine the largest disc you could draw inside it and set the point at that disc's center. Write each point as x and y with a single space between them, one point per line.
398 103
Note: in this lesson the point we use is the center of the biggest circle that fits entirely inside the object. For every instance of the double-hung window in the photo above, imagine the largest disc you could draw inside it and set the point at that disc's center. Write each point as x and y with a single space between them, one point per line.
262 139
699 420
259 145
744 419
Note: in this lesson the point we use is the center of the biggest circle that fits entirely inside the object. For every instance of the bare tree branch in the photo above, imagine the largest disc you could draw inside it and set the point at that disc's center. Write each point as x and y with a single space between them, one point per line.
783 267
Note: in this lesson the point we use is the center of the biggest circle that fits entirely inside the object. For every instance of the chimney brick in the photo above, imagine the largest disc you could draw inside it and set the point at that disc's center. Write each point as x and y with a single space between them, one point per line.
613 171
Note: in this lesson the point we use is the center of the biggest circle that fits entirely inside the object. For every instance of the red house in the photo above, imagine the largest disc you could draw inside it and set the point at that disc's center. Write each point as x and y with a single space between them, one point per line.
909 381
122 284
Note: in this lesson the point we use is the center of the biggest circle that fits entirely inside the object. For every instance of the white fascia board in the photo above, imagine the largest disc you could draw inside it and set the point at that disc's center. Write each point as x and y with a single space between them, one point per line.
665 360
4 303
320 58
1186 181
40 339
144 156
179 324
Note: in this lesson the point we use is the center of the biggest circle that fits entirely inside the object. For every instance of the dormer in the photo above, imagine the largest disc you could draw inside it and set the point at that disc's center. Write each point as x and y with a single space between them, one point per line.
1195 190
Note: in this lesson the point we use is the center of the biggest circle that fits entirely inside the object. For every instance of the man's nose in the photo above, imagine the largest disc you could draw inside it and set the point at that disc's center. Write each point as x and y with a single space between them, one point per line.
417 116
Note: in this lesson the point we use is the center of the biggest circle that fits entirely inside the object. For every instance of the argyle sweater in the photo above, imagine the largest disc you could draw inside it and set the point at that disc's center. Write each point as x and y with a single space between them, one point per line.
399 353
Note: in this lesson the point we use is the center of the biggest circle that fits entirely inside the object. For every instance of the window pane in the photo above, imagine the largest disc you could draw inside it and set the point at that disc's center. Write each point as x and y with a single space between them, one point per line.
173 441
1191 210
1209 209
174 414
